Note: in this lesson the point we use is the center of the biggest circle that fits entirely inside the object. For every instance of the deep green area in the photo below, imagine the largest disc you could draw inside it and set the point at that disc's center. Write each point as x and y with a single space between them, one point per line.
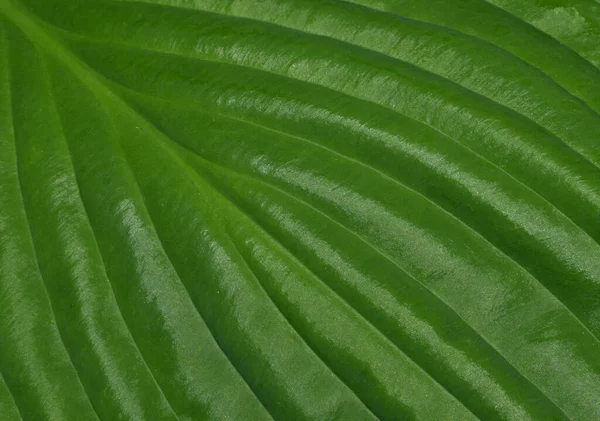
299 210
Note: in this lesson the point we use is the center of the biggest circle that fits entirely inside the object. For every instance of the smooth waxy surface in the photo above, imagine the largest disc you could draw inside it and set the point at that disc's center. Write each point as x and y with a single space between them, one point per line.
300 209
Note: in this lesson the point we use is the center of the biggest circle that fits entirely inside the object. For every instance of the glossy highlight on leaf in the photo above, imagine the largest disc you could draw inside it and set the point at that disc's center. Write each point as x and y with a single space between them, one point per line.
299 210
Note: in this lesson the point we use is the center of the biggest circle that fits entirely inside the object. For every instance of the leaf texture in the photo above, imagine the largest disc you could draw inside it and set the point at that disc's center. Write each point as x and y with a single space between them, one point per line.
299 210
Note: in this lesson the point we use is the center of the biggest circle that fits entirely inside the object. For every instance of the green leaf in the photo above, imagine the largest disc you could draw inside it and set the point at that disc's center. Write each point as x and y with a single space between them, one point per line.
299 209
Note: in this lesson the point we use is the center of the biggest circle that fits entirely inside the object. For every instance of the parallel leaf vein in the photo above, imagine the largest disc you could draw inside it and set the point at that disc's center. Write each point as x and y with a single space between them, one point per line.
278 308
372 169
39 271
445 135
90 225
361 239
387 55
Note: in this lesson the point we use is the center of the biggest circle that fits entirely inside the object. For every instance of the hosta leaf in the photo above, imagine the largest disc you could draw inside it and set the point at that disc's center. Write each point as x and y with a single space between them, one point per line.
299 209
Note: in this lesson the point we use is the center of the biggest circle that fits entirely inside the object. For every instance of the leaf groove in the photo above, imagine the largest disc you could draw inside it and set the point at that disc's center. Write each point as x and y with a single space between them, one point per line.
195 306
451 138
360 238
34 248
192 173
378 11
211 169
495 6
336 294
273 301
383 175
362 3
12 397
91 227
5 61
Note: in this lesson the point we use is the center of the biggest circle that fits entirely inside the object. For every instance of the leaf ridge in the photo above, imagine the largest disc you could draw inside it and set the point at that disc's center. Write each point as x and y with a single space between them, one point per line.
12 397
448 28
336 294
375 170
347 229
143 196
39 271
97 85
91 227
377 52
388 258
361 239
195 175
161 136
446 135
6 55
498 7
322 86
257 279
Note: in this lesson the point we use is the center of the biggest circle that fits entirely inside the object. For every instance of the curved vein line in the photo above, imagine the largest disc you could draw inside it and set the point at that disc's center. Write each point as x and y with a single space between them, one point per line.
384 54
378 251
48 85
105 275
6 54
39 271
386 257
369 245
178 277
278 308
12 396
97 86
445 135
370 325
162 135
477 37
71 57
369 168
535 28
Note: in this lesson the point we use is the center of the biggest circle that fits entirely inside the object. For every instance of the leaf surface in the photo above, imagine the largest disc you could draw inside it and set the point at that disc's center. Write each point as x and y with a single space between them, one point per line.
310 209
